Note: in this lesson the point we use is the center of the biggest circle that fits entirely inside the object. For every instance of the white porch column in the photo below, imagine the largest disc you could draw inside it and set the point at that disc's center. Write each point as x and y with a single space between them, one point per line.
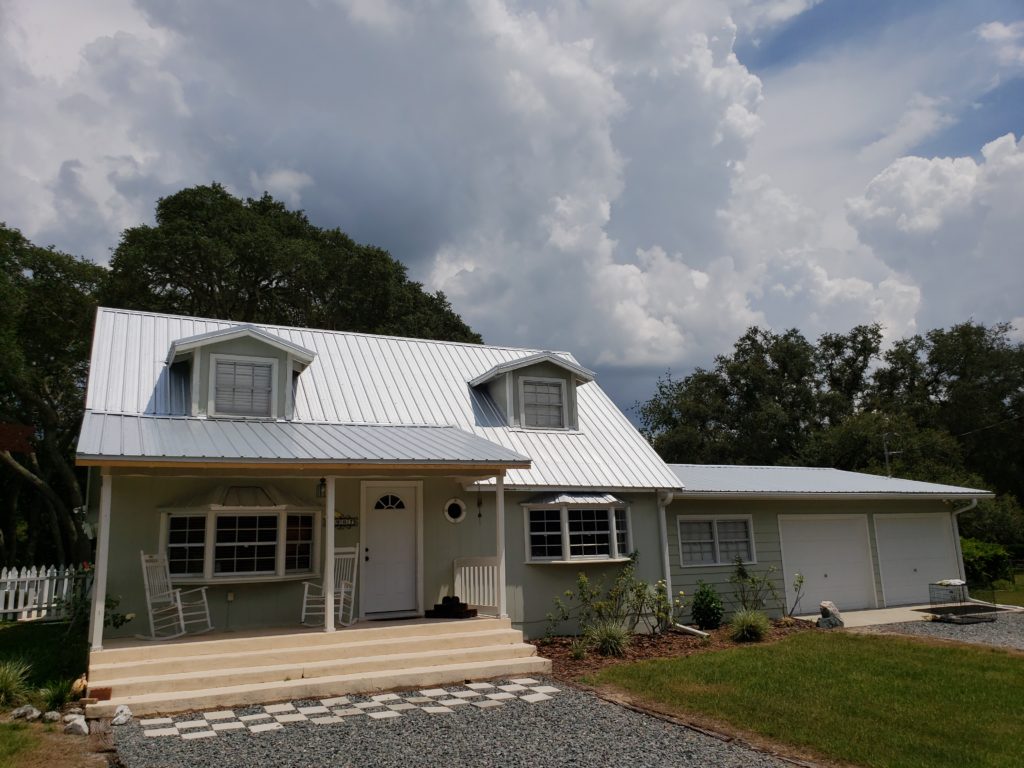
99 584
499 499
329 557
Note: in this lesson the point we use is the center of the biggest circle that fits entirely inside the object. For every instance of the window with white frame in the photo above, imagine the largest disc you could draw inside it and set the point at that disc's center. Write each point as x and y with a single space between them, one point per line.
544 403
563 533
220 545
715 540
242 387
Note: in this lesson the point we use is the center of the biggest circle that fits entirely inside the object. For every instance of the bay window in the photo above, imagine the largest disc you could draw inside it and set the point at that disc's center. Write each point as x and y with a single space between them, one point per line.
566 533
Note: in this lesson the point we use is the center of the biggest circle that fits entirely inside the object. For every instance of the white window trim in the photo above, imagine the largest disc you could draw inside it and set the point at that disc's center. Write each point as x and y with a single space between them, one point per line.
209 545
567 556
680 519
211 394
523 380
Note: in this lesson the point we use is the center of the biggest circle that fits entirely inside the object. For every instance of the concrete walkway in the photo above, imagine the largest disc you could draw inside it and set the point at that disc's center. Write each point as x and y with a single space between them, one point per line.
870 618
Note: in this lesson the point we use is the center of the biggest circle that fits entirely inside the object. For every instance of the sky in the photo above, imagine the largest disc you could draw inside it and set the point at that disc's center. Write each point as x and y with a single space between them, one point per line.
636 183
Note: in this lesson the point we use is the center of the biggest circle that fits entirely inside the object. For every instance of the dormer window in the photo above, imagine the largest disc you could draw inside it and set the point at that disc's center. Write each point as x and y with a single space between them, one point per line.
242 386
544 403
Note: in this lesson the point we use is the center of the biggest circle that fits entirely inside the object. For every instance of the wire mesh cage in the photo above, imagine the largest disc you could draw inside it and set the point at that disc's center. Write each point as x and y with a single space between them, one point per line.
951 601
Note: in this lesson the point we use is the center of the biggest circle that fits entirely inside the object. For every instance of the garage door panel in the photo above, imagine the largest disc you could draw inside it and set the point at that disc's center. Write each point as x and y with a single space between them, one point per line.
833 555
914 552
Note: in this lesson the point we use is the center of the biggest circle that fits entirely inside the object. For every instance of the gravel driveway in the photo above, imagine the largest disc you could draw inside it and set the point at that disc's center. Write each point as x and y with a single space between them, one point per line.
1007 631
572 728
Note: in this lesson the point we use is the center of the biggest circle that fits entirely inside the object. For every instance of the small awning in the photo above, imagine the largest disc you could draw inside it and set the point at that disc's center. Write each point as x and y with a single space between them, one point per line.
115 439
575 500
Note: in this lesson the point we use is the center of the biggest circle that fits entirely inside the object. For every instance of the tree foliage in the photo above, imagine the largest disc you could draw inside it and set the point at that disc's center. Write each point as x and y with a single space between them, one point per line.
209 254
946 406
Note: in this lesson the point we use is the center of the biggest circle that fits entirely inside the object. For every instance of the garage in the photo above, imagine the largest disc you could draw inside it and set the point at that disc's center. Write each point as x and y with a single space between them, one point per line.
914 550
833 553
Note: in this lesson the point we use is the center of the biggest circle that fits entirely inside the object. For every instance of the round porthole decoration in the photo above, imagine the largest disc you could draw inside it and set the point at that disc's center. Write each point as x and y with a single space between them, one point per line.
455 510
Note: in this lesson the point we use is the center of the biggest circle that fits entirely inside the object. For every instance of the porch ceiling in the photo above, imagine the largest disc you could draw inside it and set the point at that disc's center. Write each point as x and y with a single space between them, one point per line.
159 441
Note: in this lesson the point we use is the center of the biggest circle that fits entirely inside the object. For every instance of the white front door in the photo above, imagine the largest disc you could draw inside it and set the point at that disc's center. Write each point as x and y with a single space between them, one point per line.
914 551
833 553
389 566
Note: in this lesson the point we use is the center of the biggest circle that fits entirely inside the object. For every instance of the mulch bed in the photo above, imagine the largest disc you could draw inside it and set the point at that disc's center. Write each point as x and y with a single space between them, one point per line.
670 644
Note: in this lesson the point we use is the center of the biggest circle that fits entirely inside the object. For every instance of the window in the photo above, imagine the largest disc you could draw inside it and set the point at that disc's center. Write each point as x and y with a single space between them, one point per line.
543 403
715 541
218 545
563 533
242 386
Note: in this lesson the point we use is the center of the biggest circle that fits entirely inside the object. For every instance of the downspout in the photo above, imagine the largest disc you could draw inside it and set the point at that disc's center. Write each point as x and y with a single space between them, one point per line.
664 499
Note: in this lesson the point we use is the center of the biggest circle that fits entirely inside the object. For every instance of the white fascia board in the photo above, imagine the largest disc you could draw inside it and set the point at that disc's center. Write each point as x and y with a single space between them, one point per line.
818 495
300 354
578 371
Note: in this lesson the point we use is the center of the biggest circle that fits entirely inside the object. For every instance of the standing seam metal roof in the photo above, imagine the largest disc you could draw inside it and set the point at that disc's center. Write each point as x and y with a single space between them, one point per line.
366 379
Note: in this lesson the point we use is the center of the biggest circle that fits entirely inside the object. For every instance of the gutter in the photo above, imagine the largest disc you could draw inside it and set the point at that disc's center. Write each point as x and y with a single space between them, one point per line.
664 499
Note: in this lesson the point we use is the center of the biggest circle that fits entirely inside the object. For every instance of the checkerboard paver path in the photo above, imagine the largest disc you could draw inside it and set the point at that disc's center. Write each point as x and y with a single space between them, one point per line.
350 709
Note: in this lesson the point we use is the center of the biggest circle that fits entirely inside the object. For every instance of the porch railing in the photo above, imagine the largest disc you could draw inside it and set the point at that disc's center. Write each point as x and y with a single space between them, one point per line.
476 582
39 592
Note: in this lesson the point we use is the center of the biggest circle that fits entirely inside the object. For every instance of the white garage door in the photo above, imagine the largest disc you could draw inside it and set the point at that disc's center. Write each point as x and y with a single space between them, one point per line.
913 551
834 555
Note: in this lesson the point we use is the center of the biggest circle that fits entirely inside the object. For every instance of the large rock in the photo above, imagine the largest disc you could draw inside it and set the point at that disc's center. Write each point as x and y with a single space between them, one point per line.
831 618
122 715
26 712
77 727
51 717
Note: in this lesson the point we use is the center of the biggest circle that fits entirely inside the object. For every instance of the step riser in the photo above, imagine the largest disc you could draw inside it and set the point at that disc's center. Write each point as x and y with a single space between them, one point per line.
99 673
323 687
196 646
368 666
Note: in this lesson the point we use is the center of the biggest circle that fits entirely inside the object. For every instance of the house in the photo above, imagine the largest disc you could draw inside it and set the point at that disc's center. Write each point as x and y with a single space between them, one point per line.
248 453
859 540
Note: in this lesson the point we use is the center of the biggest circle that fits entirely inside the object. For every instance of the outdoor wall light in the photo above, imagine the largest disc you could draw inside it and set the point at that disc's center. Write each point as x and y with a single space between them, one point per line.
321 489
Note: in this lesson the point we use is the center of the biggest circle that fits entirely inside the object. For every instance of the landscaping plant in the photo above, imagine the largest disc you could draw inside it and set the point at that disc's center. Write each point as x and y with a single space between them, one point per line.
706 608
13 681
608 638
56 693
753 591
798 593
749 626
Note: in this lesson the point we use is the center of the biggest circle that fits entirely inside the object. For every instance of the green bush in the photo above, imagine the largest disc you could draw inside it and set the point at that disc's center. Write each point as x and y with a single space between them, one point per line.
13 681
748 626
985 562
608 638
706 608
578 648
56 693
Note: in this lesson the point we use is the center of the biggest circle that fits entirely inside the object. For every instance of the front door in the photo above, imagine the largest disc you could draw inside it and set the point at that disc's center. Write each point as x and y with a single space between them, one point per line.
389 552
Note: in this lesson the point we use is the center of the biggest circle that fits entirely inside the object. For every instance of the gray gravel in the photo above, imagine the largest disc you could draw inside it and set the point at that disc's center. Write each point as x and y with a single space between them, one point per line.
1007 631
573 729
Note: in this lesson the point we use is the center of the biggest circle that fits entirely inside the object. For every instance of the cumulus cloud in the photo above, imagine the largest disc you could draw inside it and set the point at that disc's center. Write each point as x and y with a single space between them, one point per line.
602 177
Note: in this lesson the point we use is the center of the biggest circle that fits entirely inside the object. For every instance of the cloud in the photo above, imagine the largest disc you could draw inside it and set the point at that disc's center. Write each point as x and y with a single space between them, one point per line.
602 177
1007 39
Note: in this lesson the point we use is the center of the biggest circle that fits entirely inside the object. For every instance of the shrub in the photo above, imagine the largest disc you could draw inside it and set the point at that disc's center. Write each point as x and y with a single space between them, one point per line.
578 648
753 591
985 562
608 638
56 693
13 681
706 608
748 626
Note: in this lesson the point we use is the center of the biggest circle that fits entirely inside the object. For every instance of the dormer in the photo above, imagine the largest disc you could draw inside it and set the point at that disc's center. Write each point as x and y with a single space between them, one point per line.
537 391
237 372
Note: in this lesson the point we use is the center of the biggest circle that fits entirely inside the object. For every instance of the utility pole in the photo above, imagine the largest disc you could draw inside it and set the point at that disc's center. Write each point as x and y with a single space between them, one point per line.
888 453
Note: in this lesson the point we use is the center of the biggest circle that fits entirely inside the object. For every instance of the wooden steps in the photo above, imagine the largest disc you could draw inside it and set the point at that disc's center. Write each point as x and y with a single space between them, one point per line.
232 671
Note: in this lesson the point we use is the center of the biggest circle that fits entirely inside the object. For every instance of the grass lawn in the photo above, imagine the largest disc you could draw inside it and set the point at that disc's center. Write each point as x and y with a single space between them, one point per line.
53 653
15 739
1014 596
869 700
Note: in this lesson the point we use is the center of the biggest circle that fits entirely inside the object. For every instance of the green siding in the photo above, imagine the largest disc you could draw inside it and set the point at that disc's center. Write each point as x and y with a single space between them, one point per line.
765 514
135 526
245 347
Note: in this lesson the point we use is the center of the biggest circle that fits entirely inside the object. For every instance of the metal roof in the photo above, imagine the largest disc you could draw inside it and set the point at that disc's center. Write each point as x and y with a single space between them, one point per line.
225 334
578 371
574 499
366 379
170 438
739 481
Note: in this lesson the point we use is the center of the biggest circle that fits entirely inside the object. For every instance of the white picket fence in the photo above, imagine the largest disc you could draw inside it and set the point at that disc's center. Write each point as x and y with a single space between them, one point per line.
39 592
475 581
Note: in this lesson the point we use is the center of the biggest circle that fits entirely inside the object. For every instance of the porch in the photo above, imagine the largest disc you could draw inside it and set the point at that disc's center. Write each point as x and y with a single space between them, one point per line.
230 669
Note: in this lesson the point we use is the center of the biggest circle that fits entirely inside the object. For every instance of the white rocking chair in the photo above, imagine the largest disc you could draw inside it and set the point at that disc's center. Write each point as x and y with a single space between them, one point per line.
172 612
346 565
